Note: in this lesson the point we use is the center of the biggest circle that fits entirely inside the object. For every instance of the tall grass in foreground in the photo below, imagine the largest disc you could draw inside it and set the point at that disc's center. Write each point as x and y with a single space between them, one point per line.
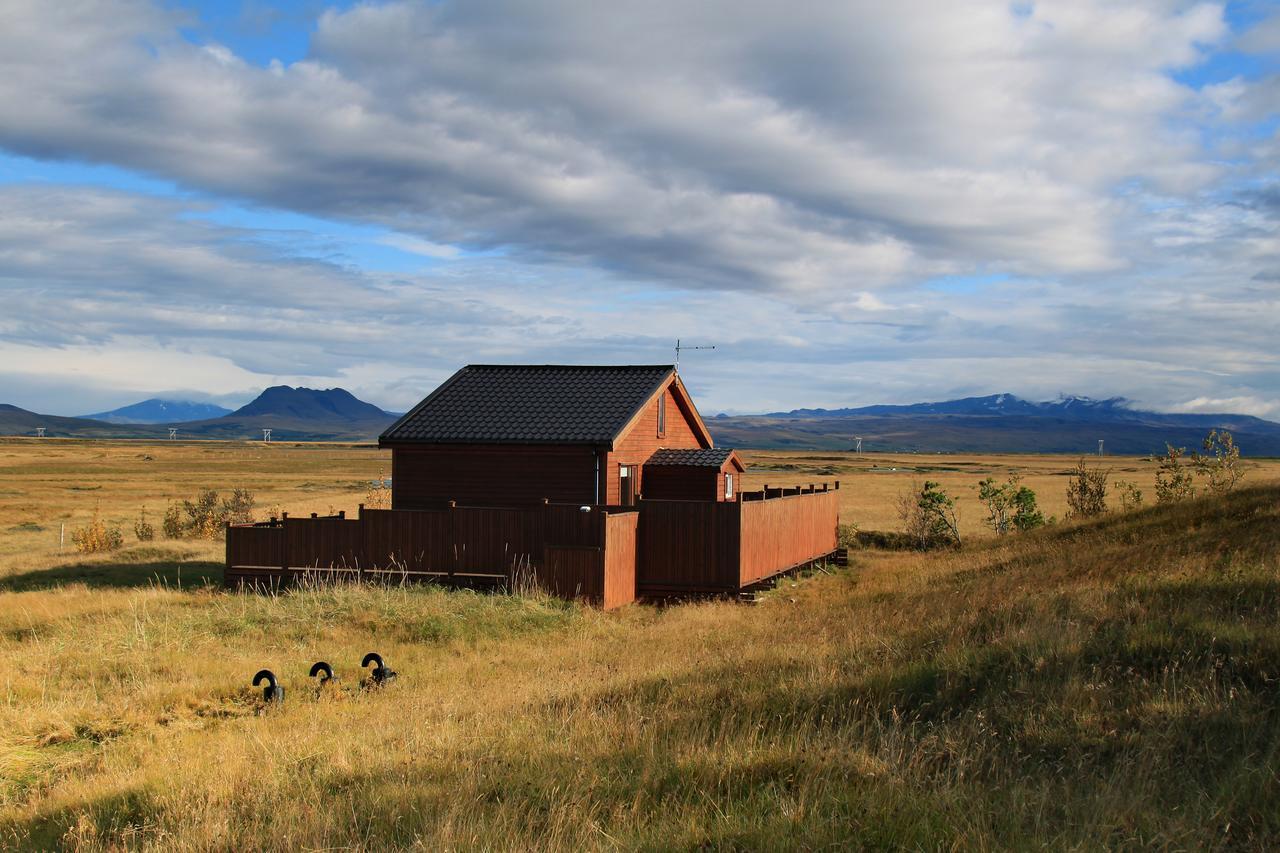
1105 684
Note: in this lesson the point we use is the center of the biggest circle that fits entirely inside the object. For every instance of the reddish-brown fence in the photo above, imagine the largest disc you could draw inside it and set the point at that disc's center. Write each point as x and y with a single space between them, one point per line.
697 546
786 532
657 548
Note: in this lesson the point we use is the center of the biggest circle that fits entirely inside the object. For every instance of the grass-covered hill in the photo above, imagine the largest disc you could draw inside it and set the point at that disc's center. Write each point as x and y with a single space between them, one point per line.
1112 684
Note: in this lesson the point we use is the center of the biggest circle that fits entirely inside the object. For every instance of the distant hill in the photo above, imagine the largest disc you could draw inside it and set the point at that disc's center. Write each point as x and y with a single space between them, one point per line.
298 414
16 421
156 411
309 404
1000 423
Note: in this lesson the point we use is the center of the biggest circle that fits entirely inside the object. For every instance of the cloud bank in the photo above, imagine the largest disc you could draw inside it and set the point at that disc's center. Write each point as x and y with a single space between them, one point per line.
856 205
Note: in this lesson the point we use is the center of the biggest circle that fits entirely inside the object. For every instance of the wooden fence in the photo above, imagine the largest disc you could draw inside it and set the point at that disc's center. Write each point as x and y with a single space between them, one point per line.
607 555
706 547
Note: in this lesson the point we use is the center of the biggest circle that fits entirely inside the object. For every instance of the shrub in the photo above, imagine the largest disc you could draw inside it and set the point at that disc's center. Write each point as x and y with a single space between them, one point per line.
1174 481
1010 506
207 516
929 517
97 536
1130 495
172 523
204 515
143 529
238 509
1087 491
1220 463
378 496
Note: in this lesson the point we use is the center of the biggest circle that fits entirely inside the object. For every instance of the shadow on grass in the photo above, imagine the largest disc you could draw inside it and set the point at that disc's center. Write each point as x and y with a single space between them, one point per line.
130 571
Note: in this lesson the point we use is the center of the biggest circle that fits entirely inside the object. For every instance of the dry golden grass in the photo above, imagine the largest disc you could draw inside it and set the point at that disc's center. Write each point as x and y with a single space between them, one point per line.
870 484
1105 685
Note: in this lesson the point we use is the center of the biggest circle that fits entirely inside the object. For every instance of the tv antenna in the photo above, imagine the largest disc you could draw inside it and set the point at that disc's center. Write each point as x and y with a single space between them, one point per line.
857 444
680 347
39 432
1099 447
266 436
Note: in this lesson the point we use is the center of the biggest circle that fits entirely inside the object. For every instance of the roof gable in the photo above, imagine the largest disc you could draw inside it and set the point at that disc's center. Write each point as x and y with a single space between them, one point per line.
535 404
703 458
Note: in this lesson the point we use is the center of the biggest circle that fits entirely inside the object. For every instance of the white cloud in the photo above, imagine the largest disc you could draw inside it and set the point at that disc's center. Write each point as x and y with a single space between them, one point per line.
774 180
418 246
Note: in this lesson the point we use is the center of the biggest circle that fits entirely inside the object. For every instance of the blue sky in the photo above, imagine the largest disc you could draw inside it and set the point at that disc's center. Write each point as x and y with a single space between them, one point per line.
855 206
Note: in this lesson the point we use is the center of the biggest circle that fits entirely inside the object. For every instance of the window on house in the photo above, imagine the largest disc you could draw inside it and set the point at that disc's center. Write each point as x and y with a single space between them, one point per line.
626 485
728 485
662 414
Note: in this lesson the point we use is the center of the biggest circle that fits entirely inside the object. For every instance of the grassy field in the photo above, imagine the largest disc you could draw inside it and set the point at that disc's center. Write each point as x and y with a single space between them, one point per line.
1100 685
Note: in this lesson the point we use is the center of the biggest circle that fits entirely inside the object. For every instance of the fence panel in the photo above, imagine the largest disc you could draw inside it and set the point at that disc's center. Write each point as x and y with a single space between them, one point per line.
249 545
781 533
688 546
323 542
573 571
620 540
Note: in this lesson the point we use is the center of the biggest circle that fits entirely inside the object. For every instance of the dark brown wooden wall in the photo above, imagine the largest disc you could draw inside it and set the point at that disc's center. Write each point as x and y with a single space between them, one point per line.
427 477
683 483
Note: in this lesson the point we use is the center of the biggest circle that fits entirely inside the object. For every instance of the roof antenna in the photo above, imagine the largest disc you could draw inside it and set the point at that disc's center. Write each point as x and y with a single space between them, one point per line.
679 347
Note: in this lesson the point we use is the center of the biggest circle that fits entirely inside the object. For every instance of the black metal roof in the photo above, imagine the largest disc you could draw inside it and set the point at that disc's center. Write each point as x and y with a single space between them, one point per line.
535 404
710 457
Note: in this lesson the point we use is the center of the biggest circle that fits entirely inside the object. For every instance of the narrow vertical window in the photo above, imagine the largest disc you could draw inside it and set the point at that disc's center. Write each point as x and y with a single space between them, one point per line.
662 414
728 486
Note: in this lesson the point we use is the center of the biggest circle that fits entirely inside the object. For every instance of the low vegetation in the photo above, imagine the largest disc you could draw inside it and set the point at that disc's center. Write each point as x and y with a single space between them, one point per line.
1110 683
208 514
97 536
1098 683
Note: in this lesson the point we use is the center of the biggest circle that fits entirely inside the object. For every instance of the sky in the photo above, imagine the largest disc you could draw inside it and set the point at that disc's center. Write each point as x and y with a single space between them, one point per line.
854 202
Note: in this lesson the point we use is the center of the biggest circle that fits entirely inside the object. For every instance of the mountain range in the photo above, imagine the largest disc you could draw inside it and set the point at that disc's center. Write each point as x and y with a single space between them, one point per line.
156 411
298 414
999 423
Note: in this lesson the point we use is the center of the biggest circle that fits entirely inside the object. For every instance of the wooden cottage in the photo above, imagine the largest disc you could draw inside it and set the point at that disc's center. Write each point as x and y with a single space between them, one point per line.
600 483
512 435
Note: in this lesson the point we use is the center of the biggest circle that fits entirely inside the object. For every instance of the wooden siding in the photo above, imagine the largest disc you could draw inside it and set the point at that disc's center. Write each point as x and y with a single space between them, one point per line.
639 442
683 483
429 476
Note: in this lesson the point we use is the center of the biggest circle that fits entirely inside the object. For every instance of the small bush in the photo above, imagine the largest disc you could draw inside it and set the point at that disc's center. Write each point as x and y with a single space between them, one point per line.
172 523
1010 506
1087 492
238 508
1174 481
143 528
97 536
929 516
1220 462
378 496
1129 494
206 516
